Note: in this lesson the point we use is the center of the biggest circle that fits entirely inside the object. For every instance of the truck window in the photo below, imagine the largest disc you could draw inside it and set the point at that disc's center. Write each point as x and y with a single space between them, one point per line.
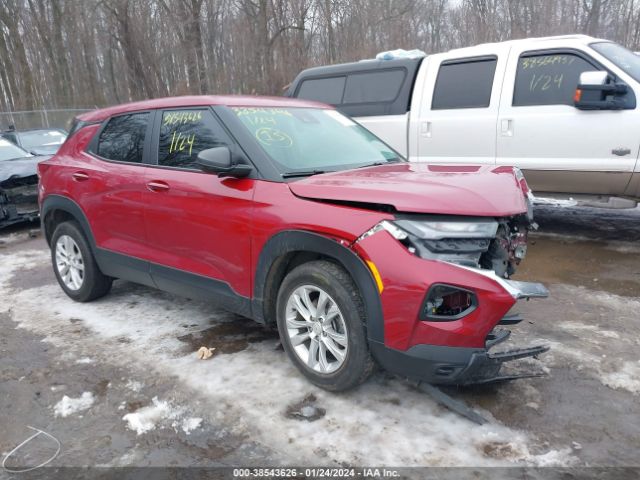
326 90
464 84
548 79
370 87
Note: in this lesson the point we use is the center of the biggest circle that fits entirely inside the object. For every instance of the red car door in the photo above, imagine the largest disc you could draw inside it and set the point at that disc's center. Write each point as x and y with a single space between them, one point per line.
109 182
197 224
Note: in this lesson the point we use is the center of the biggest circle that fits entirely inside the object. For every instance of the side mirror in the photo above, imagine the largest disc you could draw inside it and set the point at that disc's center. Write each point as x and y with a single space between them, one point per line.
219 160
598 91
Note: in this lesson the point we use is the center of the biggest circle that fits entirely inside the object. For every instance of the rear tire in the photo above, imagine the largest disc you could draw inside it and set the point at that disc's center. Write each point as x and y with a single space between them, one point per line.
74 264
321 322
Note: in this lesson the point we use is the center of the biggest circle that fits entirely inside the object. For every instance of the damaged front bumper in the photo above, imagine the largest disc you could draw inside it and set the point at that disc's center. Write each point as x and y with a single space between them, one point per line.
18 200
443 365
452 365
443 317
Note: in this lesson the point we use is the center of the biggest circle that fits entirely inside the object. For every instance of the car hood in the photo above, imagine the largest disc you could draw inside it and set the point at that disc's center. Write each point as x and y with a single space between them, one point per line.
45 149
19 167
422 188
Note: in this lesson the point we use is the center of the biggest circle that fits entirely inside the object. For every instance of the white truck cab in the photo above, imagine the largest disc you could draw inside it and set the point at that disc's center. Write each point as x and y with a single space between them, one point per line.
563 109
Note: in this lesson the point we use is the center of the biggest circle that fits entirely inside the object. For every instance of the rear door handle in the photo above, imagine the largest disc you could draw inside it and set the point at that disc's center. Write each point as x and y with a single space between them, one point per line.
425 129
80 176
157 186
506 127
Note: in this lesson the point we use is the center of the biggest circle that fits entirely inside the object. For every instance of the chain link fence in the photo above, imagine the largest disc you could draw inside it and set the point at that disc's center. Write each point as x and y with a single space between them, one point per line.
48 118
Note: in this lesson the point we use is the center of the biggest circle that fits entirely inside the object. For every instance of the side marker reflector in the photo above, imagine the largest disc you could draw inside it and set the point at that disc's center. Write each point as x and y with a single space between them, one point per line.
376 275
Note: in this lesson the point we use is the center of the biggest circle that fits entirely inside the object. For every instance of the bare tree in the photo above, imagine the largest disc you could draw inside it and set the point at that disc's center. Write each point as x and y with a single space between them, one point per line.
69 53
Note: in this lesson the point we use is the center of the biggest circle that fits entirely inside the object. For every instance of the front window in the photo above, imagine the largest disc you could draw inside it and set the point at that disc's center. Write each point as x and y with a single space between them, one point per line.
313 140
9 151
42 138
548 78
623 58
185 133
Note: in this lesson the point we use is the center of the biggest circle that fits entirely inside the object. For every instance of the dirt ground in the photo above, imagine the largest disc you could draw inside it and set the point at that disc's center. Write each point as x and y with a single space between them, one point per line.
117 381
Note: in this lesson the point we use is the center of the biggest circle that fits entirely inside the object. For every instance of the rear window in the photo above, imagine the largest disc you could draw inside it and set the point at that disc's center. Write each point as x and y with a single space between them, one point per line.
378 86
122 139
464 84
326 90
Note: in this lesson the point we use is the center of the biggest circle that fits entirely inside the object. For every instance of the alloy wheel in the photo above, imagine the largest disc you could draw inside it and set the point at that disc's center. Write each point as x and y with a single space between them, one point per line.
316 329
69 262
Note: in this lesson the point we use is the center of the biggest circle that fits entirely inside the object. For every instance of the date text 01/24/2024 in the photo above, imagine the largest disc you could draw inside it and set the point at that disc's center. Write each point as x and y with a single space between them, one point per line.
315 473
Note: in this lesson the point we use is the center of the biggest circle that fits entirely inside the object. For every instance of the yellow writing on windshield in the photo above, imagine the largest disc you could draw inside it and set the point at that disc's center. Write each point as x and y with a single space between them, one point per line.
241 111
272 137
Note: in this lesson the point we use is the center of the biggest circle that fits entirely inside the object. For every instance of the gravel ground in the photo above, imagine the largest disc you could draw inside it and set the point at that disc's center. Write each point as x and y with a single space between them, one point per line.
117 382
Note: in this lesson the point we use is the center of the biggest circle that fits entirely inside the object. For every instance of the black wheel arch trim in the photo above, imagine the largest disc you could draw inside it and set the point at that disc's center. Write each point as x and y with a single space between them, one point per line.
58 202
291 241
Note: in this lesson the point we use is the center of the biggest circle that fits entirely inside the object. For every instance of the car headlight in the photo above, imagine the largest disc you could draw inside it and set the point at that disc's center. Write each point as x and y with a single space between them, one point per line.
441 229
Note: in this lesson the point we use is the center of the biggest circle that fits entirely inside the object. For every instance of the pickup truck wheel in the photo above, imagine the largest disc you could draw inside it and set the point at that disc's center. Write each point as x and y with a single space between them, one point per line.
74 264
320 316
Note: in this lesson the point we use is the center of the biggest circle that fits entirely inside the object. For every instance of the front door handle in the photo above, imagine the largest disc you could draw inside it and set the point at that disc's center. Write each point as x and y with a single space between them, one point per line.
621 152
157 186
80 176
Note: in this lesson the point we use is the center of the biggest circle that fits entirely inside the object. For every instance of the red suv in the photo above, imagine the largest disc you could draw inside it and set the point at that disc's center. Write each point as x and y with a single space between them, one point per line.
292 214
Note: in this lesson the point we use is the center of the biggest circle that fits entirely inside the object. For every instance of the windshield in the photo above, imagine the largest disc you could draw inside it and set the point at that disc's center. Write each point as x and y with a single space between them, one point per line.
9 151
623 58
41 138
313 140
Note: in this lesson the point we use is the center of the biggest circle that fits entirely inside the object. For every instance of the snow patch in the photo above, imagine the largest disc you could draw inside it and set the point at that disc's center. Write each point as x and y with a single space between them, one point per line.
555 202
576 326
190 424
68 406
84 360
627 378
134 385
146 418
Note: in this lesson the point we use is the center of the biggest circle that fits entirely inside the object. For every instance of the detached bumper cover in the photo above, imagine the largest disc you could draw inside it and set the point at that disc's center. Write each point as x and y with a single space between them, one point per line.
453 365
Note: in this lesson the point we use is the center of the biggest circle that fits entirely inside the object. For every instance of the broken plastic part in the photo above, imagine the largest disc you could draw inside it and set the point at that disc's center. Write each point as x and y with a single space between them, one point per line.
395 232
452 404
517 290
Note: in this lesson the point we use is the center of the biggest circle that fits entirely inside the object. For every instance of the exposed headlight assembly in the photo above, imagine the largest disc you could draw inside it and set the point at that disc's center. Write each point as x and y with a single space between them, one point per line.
441 229
459 240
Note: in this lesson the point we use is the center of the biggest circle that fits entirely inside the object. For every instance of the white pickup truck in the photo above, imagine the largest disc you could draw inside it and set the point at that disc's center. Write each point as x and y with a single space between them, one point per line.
564 109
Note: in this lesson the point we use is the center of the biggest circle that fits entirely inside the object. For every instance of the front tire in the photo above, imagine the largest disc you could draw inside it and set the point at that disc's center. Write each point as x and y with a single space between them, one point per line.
320 316
74 265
